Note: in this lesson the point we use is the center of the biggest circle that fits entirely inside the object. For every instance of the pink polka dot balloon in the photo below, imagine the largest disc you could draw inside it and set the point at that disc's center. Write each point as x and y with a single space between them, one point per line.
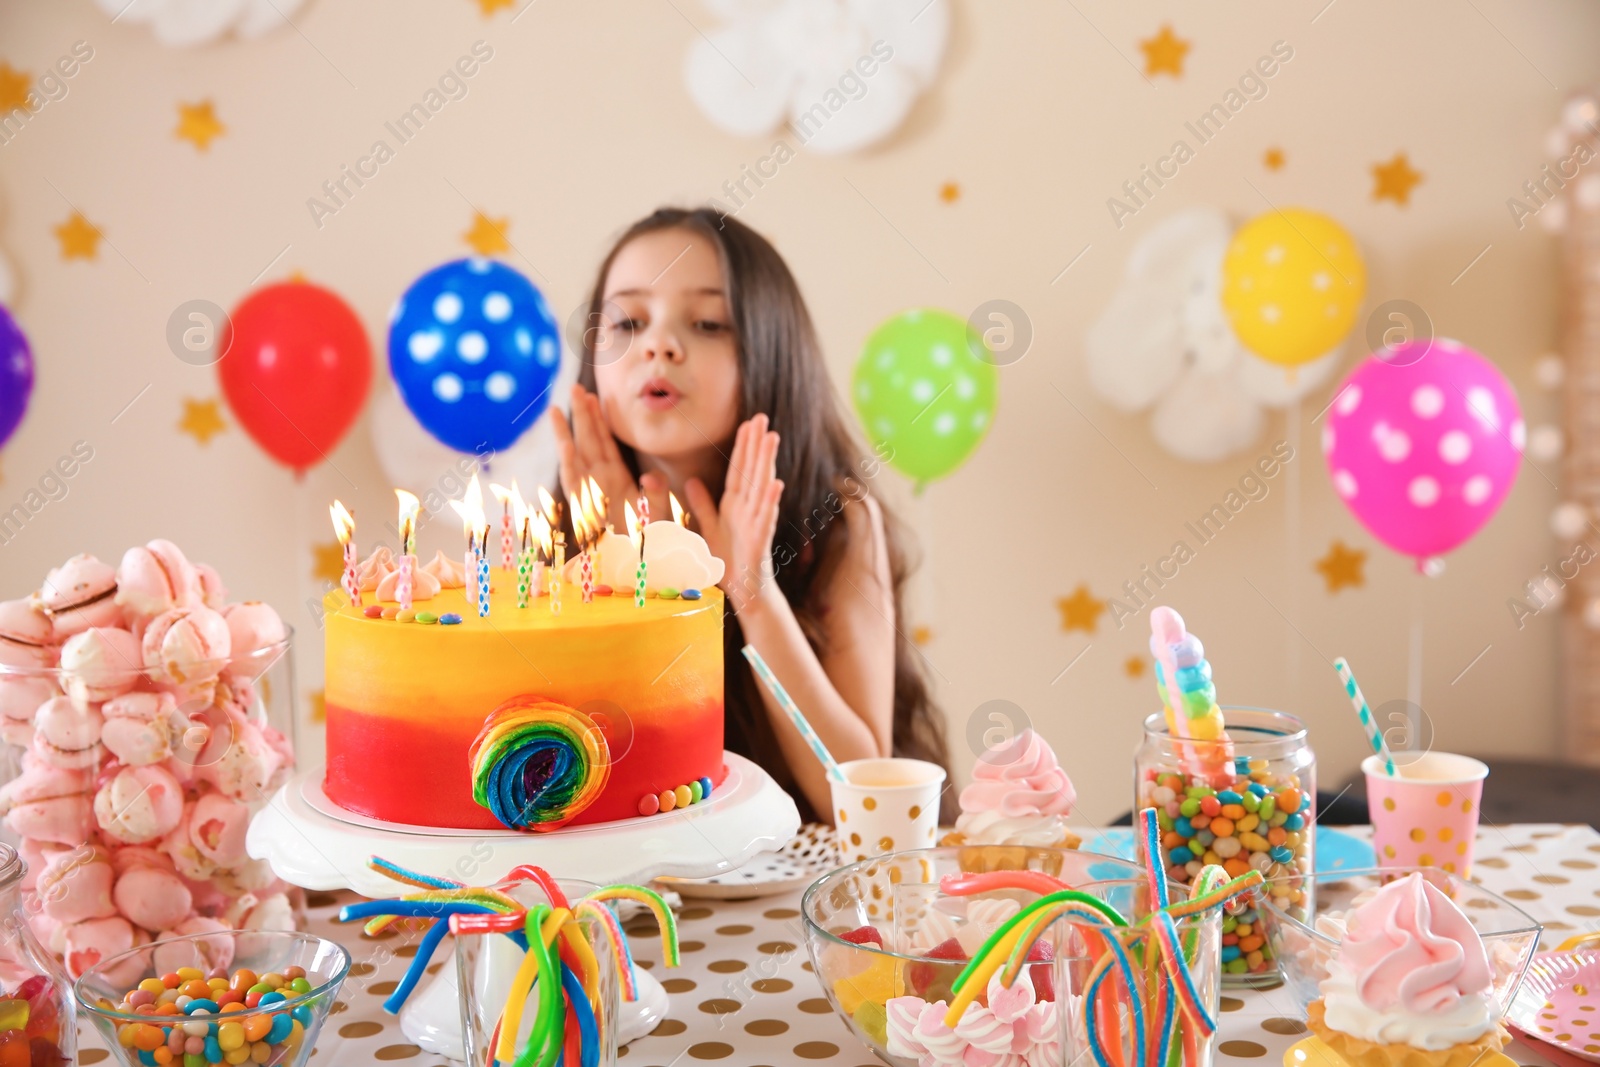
1423 443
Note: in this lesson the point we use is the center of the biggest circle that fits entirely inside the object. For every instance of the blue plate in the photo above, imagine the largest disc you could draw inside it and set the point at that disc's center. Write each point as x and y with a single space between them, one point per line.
1336 850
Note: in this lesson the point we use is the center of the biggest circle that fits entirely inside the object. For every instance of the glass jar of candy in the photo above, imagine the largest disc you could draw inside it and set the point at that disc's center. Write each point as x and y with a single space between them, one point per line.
38 1025
1247 802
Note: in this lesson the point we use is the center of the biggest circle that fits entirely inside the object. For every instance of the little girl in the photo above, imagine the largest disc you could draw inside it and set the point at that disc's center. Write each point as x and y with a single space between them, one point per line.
702 376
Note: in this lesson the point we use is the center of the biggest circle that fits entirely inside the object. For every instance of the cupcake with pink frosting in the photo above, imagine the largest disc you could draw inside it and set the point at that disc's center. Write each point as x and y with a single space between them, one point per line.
1411 985
1019 799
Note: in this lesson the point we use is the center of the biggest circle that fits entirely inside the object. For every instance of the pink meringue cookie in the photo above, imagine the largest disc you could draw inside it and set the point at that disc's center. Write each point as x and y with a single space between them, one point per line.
100 663
139 804
252 915
424 586
152 898
20 696
213 594
155 578
188 860
47 803
79 594
216 950
217 828
371 571
187 645
37 854
51 934
27 638
130 857
90 943
449 571
76 885
138 727
253 629
67 734
239 760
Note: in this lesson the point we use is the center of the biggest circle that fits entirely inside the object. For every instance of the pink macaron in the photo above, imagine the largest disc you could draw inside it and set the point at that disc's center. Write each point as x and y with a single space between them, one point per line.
257 634
152 897
27 638
213 594
76 886
139 727
21 695
66 734
101 663
189 646
139 804
79 594
157 577
48 804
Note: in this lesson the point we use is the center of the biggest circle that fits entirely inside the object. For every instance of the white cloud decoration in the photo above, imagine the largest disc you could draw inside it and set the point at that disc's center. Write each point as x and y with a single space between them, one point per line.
185 23
843 74
1164 345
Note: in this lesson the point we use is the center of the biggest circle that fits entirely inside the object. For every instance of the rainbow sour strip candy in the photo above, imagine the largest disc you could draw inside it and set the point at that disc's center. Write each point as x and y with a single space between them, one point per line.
536 764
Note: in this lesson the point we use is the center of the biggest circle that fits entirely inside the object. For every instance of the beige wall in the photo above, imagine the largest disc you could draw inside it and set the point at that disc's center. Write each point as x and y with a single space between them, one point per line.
580 123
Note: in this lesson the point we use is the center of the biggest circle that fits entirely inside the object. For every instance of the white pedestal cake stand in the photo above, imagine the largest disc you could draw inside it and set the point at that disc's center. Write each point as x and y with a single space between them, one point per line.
315 844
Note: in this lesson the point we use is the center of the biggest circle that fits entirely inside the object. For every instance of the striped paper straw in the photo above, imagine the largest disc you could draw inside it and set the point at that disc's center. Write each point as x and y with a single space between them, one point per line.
1374 737
795 716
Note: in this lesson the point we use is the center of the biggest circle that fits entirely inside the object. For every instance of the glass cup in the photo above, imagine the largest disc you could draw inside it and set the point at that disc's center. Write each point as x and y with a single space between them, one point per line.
1427 814
486 965
886 805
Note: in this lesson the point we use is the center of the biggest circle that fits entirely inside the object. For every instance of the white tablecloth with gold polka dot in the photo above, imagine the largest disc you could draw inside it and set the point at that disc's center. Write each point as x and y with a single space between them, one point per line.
744 994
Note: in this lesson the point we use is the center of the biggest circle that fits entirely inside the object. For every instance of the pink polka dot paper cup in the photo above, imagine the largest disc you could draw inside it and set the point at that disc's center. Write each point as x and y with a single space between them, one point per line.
1427 815
886 805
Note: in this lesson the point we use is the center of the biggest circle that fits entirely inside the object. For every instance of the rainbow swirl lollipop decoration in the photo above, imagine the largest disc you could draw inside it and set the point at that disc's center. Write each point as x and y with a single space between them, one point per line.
536 763
1183 677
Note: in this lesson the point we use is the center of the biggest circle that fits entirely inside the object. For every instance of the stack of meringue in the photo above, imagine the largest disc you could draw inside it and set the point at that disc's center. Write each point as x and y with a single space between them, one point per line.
1013 1030
144 752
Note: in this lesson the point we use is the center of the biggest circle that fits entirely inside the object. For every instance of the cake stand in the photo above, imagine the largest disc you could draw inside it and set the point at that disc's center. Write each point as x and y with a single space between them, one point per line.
313 843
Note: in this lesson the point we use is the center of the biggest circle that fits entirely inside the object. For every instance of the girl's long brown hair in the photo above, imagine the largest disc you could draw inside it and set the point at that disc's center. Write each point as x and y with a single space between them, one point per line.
820 463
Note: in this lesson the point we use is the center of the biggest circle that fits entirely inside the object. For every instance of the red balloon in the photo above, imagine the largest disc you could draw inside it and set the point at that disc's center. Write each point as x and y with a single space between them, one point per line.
295 368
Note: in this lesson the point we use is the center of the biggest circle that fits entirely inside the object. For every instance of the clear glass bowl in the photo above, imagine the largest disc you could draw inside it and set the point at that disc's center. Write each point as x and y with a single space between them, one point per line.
898 895
326 965
1305 950
486 964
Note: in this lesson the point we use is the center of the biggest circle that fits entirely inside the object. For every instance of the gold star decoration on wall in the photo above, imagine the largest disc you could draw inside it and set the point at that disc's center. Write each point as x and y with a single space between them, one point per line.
1342 566
201 419
488 236
949 192
1163 53
921 635
1272 159
198 124
1080 611
319 706
80 238
327 562
1394 180
1133 666
489 7
14 86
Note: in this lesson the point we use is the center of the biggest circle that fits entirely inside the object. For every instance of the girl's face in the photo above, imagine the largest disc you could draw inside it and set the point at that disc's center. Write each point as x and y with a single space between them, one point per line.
666 363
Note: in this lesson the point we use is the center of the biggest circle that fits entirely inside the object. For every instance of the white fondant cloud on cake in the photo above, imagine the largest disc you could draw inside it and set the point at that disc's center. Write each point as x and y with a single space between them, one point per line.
675 558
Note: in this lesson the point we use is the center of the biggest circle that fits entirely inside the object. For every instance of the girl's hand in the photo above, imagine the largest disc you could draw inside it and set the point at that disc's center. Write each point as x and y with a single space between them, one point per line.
588 450
740 528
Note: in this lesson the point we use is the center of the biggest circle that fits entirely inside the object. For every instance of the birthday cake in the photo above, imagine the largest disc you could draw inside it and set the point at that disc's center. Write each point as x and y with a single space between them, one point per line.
499 712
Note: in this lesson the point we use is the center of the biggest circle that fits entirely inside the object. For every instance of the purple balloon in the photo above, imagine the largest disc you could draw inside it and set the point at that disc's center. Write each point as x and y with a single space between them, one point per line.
16 375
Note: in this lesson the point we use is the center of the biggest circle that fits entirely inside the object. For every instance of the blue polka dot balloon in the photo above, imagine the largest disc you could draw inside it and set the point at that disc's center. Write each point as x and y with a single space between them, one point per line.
474 350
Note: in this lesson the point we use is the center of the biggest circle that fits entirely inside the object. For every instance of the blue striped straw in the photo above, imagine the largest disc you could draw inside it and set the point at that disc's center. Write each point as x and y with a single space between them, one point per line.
1353 691
795 715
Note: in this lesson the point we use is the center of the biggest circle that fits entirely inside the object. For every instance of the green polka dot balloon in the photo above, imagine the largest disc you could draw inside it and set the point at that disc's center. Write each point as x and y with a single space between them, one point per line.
924 389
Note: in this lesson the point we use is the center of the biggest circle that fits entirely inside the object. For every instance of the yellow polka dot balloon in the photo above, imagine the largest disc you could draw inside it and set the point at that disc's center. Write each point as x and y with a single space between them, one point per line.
1292 283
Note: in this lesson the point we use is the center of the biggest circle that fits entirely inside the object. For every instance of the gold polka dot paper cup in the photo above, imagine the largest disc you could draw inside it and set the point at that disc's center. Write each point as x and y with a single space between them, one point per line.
1427 814
886 805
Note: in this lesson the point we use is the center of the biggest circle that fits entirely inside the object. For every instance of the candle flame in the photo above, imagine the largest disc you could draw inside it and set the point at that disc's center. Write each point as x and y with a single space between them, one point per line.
635 534
541 533
470 508
520 515
547 504
505 496
344 524
409 505
579 529
679 516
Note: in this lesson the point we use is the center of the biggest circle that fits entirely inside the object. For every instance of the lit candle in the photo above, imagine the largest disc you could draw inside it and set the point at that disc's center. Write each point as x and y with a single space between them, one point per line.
506 496
470 508
344 527
679 516
525 555
555 546
541 553
580 528
555 570
409 506
636 535
483 570
600 508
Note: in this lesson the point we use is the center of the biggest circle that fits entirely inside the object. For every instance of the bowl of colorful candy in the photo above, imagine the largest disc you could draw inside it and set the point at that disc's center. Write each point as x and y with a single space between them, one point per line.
266 1009
1305 950
890 936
